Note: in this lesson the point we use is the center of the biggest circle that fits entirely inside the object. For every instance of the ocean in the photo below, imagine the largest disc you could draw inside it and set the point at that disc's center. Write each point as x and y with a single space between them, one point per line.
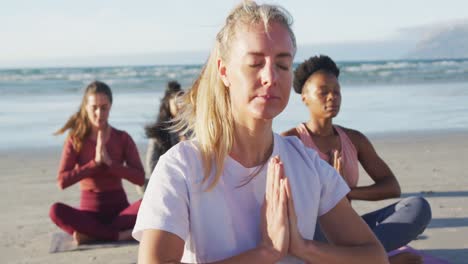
378 97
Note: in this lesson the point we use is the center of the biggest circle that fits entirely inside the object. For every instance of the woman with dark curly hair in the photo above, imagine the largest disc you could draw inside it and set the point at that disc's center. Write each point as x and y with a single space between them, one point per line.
160 137
316 80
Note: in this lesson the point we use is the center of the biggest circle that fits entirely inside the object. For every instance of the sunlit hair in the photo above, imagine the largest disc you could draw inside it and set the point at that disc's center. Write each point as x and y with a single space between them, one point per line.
310 66
79 124
207 109
159 130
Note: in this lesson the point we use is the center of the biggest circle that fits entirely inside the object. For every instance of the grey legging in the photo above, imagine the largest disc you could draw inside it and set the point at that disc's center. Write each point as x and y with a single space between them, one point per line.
397 224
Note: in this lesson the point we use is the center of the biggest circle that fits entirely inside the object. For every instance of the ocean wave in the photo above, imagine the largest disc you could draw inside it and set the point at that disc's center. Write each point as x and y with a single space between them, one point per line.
154 78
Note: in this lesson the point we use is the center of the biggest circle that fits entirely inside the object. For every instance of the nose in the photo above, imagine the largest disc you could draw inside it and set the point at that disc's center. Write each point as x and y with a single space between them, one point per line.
98 112
332 96
269 74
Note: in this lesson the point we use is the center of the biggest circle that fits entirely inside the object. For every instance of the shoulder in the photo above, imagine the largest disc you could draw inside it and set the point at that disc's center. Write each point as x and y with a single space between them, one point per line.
290 132
187 148
302 159
357 137
292 146
118 132
184 156
68 146
121 135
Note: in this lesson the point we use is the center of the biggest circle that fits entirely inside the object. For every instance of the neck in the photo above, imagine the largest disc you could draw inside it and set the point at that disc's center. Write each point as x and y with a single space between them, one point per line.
320 127
253 144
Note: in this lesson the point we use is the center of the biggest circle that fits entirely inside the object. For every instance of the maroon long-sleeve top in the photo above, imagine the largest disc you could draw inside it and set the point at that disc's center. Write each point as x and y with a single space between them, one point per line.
81 167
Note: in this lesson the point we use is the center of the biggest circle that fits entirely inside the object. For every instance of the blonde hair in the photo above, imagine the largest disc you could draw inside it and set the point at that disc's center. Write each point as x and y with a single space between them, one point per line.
78 123
206 110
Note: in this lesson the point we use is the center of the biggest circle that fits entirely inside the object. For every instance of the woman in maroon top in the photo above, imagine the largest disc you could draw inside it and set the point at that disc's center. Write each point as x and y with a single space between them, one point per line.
98 157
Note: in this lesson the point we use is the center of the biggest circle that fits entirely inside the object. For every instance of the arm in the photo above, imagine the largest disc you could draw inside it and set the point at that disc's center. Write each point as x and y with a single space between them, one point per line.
157 246
352 240
152 155
385 184
69 171
133 169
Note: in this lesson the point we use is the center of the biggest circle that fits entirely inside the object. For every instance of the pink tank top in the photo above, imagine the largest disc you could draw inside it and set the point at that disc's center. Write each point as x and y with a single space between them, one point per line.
348 153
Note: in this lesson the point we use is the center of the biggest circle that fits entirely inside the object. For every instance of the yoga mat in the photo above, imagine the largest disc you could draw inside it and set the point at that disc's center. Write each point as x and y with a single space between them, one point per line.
427 258
63 242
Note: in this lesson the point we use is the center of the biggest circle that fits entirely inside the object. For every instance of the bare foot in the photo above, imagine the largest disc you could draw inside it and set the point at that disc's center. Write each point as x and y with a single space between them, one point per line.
82 238
125 235
406 258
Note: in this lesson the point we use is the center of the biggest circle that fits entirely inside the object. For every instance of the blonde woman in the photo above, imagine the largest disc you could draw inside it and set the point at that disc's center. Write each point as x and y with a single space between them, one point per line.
237 192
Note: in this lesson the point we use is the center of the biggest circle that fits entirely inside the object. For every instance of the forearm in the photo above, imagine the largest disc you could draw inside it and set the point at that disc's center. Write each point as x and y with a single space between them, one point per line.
257 255
67 178
133 175
375 192
317 252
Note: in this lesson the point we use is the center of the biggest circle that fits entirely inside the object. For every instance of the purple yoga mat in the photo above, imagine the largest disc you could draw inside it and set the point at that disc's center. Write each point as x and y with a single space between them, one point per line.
427 259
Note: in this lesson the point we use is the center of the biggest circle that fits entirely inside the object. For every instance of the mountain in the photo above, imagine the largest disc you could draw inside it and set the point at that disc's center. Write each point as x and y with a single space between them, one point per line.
435 41
357 51
442 42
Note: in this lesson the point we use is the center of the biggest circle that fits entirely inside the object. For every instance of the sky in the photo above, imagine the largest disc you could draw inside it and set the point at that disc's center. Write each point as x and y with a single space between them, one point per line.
46 30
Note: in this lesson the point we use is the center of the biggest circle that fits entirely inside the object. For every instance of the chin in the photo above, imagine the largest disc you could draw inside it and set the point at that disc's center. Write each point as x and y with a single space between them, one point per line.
266 115
267 112
98 126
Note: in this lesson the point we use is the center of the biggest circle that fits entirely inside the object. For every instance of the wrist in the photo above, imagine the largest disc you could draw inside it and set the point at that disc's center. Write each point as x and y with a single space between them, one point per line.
268 253
298 249
305 250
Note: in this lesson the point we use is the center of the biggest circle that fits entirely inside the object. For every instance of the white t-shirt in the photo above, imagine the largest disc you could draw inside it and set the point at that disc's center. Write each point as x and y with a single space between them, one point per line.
225 221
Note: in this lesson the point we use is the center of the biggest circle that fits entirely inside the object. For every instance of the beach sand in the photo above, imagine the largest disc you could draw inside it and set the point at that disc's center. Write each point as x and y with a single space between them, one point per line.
430 164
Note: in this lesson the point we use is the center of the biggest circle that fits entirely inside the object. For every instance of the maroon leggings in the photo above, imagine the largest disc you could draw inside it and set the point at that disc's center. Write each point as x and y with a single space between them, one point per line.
101 215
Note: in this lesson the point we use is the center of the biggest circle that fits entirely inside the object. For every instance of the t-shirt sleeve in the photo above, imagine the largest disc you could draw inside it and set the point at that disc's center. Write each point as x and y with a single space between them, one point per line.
166 200
333 187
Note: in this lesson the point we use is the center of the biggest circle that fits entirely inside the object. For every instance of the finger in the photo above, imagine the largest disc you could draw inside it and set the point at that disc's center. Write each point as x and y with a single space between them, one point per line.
269 181
338 165
281 173
291 208
335 158
283 208
99 138
276 181
289 197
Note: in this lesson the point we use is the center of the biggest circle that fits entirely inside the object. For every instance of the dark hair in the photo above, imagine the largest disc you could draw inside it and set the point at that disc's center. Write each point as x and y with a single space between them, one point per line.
310 66
160 129
78 123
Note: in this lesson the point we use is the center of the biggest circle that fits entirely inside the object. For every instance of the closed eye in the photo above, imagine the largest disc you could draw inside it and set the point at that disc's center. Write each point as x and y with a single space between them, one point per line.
283 67
255 65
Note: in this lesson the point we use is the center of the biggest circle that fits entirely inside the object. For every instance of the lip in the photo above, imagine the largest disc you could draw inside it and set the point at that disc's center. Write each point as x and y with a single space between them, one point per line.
267 97
332 107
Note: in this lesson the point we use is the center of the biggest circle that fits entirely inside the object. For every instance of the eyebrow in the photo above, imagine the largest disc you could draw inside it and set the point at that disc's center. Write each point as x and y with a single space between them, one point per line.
329 86
261 54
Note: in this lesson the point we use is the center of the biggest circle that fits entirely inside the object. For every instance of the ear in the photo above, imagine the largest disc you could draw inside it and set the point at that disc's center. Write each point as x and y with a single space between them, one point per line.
304 98
222 71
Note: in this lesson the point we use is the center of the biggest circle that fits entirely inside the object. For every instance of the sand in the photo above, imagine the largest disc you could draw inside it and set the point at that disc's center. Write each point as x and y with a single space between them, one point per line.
431 164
